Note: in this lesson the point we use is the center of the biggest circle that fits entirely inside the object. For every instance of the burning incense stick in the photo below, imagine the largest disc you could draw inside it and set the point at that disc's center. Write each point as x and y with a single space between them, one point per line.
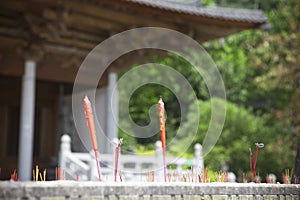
14 176
258 146
162 120
120 175
36 173
251 168
45 175
91 125
57 173
117 152
244 177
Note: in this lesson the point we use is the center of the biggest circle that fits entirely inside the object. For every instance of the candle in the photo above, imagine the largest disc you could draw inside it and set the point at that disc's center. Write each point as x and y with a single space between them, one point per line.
162 120
90 122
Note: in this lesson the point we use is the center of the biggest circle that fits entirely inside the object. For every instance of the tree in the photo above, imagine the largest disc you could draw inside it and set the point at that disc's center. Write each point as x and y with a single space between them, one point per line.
242 129
274 59
279 56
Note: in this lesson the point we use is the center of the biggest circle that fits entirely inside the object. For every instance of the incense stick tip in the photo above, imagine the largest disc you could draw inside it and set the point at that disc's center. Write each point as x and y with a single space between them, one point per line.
86 98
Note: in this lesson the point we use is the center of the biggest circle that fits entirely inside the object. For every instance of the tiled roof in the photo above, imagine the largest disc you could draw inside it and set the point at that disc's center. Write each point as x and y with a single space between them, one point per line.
233 14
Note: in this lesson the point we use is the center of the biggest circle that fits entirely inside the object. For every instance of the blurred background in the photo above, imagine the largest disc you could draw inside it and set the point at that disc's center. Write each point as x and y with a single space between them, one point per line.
254 43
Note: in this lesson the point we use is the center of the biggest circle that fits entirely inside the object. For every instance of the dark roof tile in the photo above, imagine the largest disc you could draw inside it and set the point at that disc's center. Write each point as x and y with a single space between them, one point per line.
233 14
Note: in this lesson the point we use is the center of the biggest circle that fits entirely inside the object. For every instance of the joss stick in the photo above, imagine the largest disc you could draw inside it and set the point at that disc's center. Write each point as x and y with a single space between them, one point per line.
117 152
169 175
36 173
41 177
63 175
192 169
251 168
152 176
255 157
199 178
45 175
33 175
59 173
258 146
162 120
14 176
91 125
56 173
120 175
207 178
244 177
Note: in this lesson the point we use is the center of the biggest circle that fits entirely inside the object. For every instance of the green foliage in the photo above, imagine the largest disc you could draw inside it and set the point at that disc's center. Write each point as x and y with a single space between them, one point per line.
241 131
249 4
261 74
147 96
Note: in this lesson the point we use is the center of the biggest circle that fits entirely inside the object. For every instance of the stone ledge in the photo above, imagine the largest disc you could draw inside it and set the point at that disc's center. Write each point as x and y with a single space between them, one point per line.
146 190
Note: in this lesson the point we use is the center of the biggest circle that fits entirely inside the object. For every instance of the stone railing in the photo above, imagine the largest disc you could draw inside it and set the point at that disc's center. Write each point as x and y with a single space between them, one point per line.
145 190
133 167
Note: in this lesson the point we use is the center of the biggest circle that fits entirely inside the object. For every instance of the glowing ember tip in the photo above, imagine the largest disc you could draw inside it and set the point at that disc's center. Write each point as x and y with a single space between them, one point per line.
259 145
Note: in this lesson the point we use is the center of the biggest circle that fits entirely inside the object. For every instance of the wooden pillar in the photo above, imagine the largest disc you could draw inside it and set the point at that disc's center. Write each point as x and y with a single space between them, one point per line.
112 110
27 121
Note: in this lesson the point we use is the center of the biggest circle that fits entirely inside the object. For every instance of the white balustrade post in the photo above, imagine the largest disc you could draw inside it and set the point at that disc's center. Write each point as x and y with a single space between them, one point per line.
159 166
65 149
93 174
199 162
26 141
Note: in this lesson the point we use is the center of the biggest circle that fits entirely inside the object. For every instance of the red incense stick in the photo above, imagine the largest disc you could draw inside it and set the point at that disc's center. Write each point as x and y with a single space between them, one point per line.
251 168
162 120
258 146
91 125
117 152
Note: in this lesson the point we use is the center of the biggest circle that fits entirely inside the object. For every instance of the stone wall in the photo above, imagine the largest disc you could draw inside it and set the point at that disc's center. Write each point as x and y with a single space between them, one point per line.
145 190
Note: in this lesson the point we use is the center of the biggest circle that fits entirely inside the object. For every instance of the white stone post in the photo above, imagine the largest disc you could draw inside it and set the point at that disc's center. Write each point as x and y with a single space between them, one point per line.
93 173
159 167
27 122
199 162
65 149
112 109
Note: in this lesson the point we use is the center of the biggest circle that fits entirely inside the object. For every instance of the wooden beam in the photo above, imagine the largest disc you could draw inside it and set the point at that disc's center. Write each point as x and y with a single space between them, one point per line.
55 49
49 69
71 42
11 66
52 72
7 21
119 16
13 32
83 36
10 42
81 22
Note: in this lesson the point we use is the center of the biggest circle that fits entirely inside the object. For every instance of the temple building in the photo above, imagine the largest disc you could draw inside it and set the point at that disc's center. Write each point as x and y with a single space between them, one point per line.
42 45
